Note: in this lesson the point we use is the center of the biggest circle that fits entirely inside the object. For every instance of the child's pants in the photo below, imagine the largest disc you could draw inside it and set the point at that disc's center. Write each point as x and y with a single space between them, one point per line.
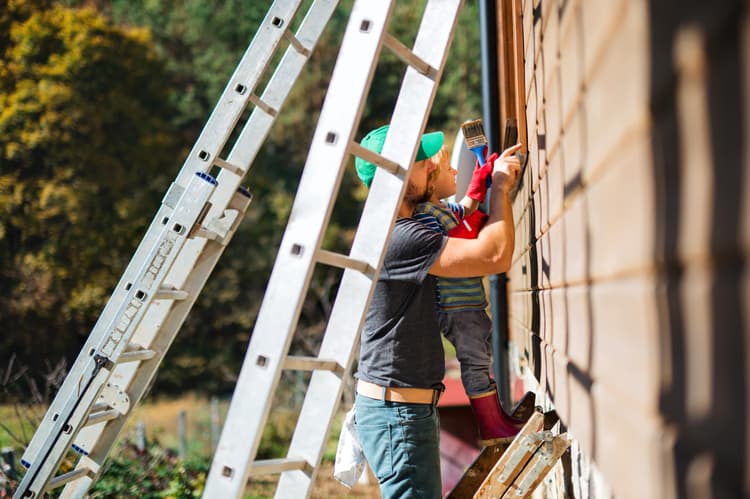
469 331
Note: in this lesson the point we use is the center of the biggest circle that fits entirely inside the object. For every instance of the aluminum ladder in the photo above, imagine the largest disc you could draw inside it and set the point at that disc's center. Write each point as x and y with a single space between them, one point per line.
197 218
301 250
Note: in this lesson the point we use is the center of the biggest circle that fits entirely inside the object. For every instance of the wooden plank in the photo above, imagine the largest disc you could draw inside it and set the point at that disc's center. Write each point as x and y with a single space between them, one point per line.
477 472
518 61
483 464
512 461
540 464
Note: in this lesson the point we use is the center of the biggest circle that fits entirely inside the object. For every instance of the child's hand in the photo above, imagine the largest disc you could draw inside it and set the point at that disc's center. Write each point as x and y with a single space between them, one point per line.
481 178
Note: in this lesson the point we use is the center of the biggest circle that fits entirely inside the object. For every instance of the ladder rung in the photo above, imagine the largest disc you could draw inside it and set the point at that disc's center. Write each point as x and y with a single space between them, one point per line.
344 262
61 480
237 170
265 107
206 234
98 417
268 466
293 362
294 42
170 294
136 355
408 56
377 159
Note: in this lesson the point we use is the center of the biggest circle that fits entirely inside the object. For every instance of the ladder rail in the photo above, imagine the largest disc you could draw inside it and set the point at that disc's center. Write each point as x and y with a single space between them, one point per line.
300 251
113 338
292 270
244 152
171 317
100 438
240 88
341 337
248 72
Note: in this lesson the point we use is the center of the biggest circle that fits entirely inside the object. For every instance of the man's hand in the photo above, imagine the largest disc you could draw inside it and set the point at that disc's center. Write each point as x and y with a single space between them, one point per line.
506 169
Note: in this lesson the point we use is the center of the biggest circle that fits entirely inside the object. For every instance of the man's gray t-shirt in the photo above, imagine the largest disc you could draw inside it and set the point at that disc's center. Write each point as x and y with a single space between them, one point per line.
401 343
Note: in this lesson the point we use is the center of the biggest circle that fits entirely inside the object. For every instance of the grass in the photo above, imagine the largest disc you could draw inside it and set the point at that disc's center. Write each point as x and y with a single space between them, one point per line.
160 418
17 424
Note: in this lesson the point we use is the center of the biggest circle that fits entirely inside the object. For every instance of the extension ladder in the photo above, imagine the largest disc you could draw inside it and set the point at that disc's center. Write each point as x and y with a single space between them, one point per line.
198 217
301 249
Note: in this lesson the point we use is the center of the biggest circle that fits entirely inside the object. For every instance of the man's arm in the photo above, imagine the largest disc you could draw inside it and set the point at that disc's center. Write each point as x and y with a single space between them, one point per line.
491 252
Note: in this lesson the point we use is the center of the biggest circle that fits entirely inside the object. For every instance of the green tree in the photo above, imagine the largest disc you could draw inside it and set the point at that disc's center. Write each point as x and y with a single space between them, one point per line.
134 104
84 140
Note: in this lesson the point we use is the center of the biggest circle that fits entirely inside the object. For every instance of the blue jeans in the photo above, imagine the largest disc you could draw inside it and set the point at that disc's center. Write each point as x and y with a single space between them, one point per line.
402 445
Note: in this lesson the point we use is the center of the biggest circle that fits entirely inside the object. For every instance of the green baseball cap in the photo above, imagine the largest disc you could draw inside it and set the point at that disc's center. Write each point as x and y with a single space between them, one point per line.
428 147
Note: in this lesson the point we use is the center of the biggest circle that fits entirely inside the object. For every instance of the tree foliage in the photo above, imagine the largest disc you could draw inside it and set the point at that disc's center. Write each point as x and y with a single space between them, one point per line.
100 103
84 138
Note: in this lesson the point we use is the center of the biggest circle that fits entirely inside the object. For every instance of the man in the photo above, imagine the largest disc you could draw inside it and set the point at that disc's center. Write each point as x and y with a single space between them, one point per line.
401 363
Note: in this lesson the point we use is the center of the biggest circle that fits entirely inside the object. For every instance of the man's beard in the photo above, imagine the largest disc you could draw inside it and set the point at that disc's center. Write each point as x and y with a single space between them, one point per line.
414 197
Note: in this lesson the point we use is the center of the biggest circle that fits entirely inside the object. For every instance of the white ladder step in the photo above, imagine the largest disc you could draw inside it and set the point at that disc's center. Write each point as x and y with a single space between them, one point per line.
135 353
101 416
269 466
136 356
168 293
377 159
61 480
257 102
298 363
236 169
344 262
298 46
409 57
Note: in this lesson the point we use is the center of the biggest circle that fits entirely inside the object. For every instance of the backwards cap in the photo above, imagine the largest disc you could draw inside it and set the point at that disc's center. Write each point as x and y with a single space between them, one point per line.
430 144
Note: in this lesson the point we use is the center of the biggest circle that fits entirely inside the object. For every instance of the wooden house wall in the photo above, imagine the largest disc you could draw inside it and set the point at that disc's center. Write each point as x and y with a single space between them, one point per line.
629 297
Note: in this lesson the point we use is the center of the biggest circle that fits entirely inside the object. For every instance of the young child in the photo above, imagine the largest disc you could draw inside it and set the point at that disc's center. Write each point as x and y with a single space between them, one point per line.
461 302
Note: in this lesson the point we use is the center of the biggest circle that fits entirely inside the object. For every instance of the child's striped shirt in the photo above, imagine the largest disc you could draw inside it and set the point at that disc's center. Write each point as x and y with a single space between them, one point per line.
454 293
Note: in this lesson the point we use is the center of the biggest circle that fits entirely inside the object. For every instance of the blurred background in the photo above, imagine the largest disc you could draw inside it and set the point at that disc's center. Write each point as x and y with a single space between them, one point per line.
100 103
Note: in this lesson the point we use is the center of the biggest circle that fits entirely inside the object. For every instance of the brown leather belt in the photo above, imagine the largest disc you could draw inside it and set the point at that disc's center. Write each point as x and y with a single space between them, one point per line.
395 394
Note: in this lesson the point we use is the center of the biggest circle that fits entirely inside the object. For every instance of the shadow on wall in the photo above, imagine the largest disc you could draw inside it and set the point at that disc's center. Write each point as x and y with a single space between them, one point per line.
696 44
696 59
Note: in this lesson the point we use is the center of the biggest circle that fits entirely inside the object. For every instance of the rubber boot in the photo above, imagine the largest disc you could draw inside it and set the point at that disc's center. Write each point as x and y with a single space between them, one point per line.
495 427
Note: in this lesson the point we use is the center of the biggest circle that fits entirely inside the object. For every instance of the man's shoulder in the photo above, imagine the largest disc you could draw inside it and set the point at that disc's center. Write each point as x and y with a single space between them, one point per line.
409 232
410 226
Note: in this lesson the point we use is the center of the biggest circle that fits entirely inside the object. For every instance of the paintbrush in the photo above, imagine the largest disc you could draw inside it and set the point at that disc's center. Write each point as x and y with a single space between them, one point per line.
475 138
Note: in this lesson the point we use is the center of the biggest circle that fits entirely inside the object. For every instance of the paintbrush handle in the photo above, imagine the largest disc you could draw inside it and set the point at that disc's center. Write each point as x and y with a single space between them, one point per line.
479 153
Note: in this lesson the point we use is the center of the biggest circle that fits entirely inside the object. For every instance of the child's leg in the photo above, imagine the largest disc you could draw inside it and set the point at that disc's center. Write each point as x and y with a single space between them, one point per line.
469 331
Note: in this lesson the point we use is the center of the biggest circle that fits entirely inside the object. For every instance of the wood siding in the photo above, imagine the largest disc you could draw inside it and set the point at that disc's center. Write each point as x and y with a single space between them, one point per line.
629 297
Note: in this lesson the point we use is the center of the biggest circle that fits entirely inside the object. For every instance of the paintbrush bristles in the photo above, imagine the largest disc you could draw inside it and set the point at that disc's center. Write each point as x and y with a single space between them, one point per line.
473 132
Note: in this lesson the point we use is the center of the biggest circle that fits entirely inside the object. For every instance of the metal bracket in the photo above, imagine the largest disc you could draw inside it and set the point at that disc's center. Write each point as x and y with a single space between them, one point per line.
116 398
